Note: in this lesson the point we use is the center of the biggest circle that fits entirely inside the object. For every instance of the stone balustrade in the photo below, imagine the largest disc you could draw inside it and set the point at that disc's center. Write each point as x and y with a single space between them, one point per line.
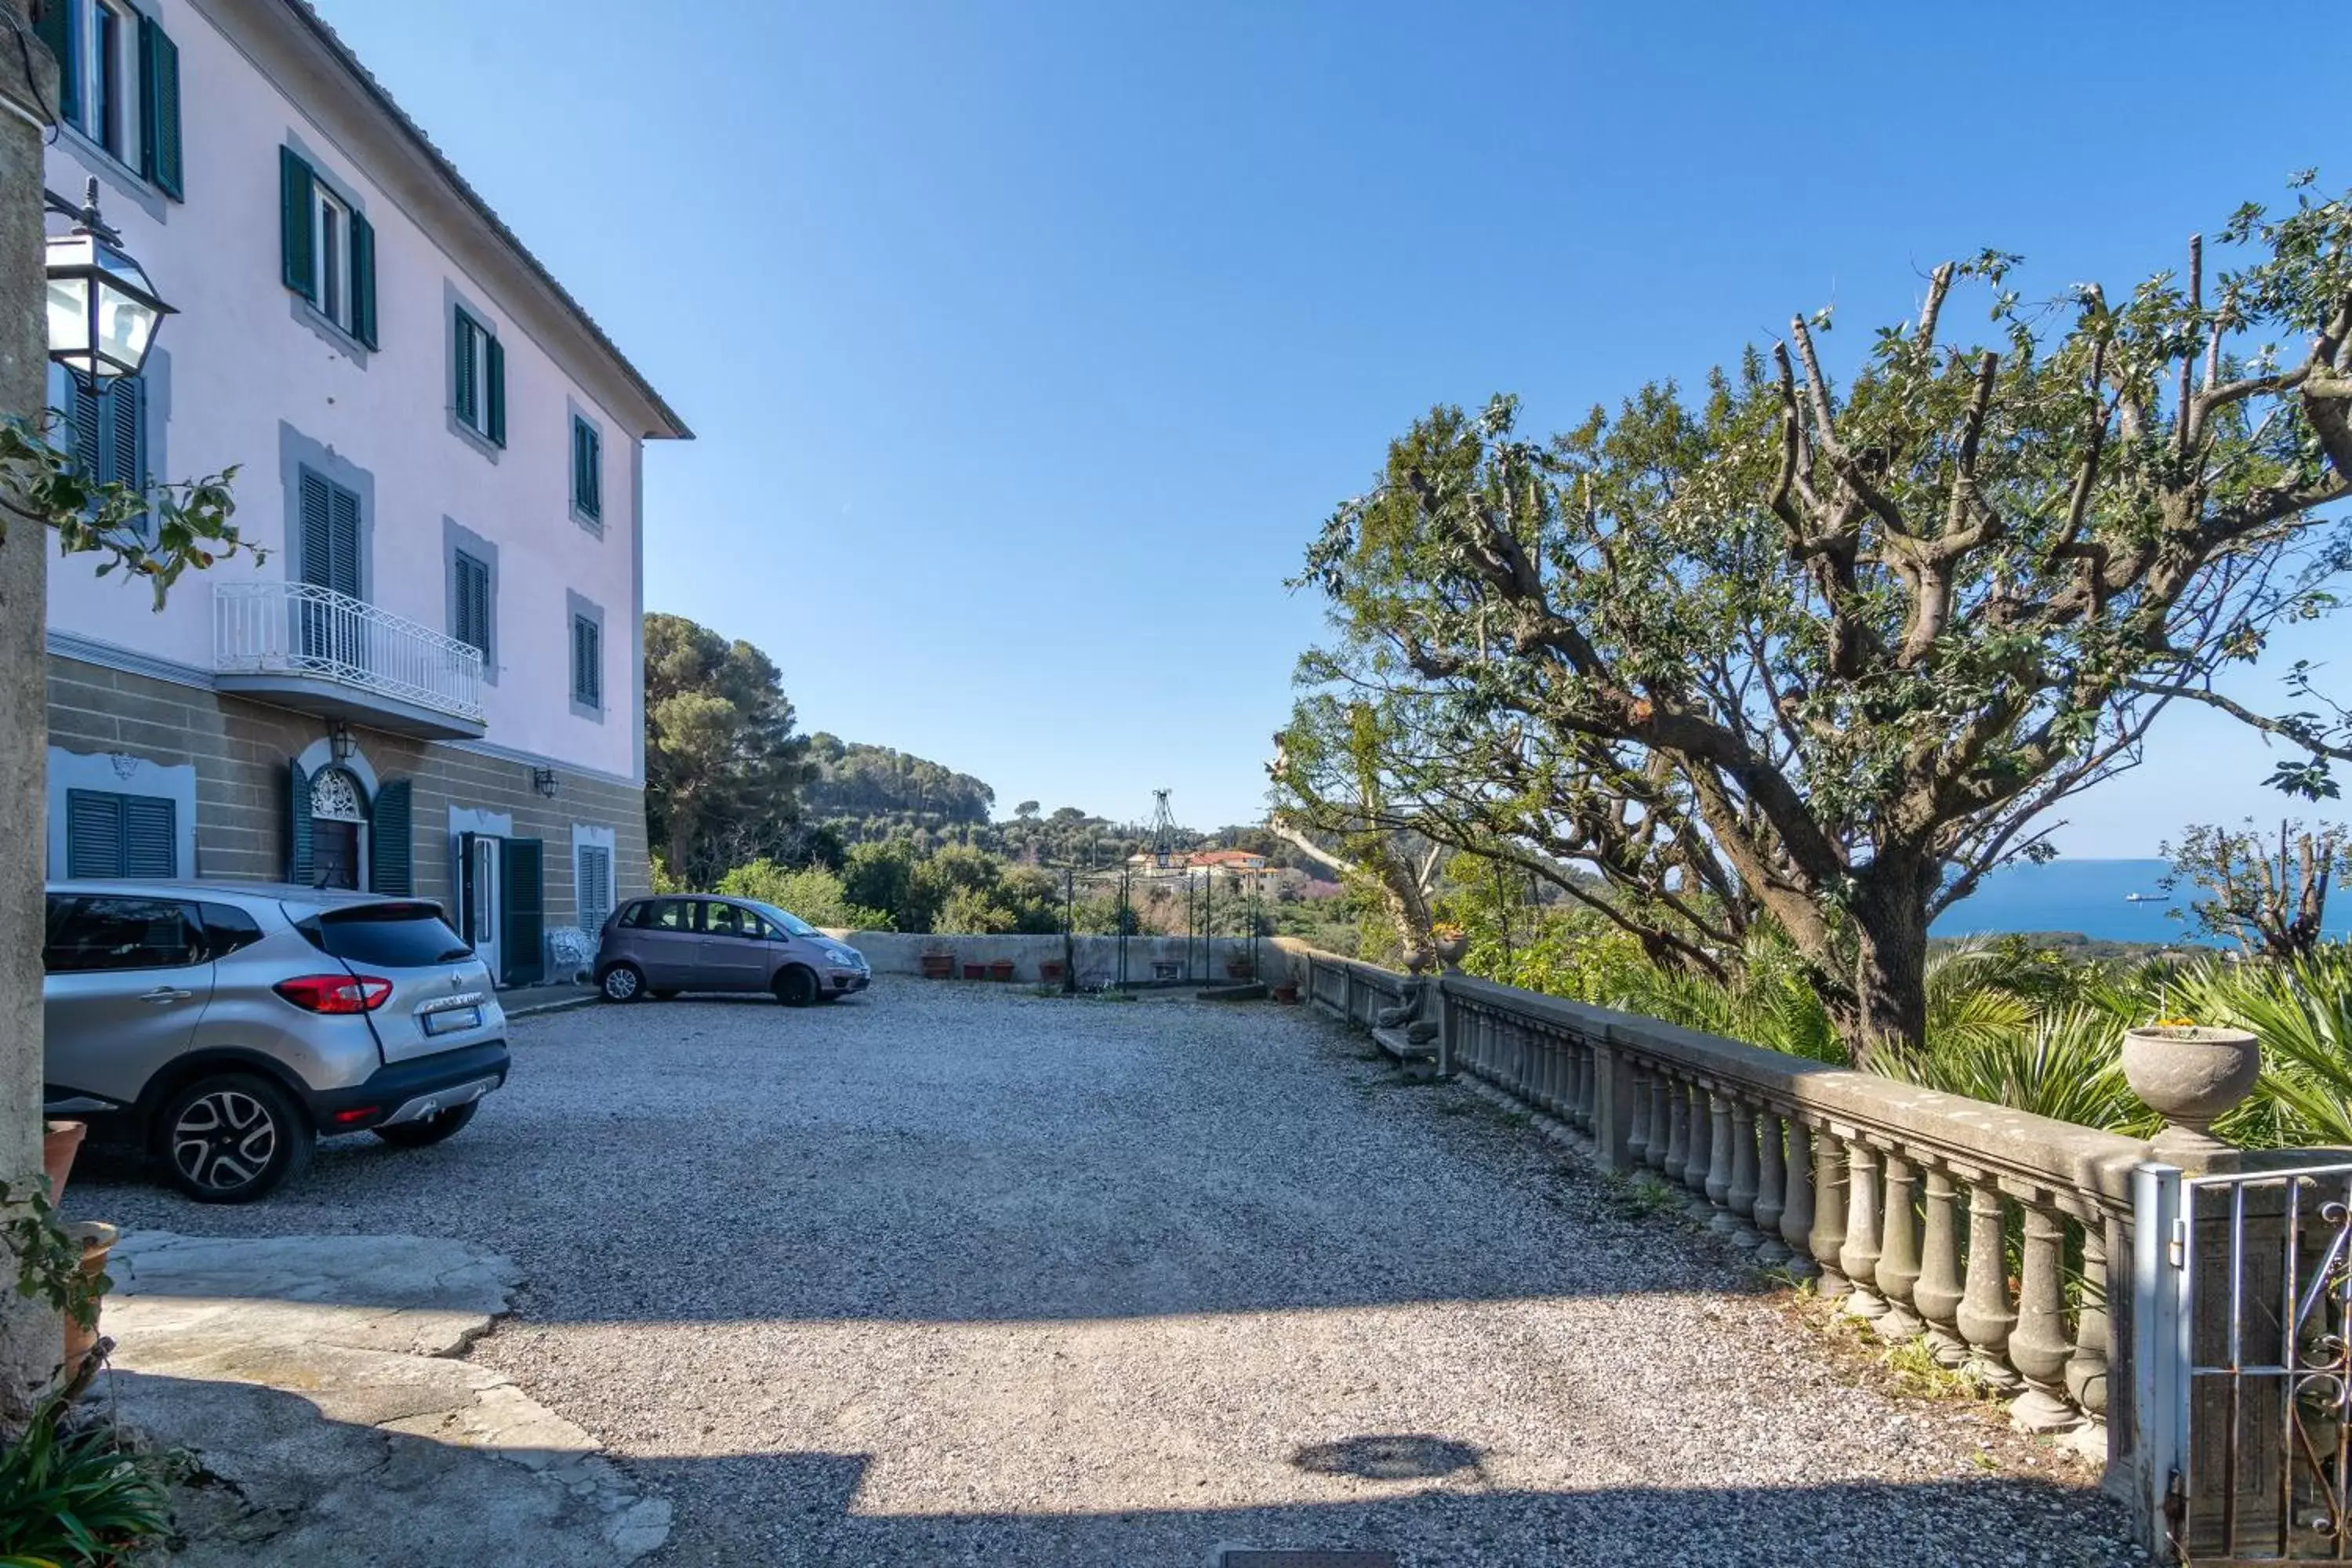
1982 1233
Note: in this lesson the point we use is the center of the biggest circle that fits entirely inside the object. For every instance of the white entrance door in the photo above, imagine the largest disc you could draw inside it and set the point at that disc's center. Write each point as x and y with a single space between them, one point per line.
481 898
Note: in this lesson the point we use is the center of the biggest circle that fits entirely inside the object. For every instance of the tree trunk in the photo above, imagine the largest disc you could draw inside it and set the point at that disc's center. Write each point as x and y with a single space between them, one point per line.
1889 1008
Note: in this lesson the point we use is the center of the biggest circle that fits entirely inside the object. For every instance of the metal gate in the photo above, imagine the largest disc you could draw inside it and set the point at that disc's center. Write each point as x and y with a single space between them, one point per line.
2243 1388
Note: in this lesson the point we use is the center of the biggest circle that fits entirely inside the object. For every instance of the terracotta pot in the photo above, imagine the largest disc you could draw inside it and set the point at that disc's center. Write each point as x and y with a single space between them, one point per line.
1239 969
975 972
2190 1076
1049 971
1286 995
59 1142
97 1239
1000 969
939 966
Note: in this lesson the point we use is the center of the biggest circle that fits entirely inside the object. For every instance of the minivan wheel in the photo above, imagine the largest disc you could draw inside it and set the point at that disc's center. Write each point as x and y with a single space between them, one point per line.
232 1139
796 988
427 1131
622 982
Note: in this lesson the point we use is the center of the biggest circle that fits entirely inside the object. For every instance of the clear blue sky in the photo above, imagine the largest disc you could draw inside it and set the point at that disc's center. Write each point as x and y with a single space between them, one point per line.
1029 344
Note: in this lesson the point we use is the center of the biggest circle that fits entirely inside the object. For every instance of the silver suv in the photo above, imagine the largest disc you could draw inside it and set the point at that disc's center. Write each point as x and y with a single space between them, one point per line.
225 1026
661 946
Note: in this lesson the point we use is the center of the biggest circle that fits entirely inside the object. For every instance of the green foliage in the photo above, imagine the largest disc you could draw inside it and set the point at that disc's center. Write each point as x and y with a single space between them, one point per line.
189 523
47 1259
875 791
2300 1010
1823 650
71 1496
814 894
723 769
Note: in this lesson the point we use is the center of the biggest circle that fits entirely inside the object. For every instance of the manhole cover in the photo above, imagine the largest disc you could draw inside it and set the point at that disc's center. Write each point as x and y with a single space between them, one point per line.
1249 1559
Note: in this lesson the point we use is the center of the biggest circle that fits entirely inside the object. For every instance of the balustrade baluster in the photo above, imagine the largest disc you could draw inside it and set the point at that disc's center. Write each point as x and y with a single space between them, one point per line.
1697 1151
1741 1196
2038 1346
1663 1157
1585 1088
1552 1086
1637 1135
1679 1129
1828 1239
1937 1294
1717 1186
1897 1275
1771 1186
2087 1373
1858 1256
1796 1212
1984 1316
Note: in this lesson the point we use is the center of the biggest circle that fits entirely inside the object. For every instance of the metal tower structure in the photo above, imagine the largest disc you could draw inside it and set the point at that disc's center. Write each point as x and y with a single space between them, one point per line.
1163 830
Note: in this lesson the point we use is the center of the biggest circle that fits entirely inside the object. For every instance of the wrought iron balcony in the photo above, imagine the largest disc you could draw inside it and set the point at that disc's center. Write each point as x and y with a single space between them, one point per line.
324 652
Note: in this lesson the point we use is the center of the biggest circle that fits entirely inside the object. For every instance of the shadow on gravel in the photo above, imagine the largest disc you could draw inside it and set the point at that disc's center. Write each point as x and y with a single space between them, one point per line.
1941 1525
1414 1455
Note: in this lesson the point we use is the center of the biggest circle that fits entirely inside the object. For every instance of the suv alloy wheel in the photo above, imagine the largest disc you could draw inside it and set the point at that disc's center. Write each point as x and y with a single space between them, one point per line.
232 1139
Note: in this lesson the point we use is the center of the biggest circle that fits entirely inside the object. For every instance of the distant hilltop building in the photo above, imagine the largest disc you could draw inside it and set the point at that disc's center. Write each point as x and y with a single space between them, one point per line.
1240 869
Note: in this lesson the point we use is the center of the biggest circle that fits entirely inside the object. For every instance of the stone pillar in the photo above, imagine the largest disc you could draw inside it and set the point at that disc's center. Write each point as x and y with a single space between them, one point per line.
1827 1241
2038 1346
1679 1130
1858 1256
1637 1136
1449 1029
1662 1123
1797 1215
1898 1256
1936 1296
29 1341
1586 1075
1697 1154
1771 1187
1985 1318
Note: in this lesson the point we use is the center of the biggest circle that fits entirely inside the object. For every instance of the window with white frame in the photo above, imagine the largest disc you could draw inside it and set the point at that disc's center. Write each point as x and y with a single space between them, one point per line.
119 83
327 248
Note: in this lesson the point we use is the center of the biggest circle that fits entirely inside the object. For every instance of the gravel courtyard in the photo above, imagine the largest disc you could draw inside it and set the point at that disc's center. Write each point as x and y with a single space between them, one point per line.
959 1275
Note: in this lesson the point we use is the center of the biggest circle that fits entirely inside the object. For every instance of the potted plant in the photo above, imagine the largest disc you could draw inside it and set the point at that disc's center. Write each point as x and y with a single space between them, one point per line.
1000 969
1049 971
1240 965
938 964
96 1238
2191 1074
975 972
1450 942
1286 993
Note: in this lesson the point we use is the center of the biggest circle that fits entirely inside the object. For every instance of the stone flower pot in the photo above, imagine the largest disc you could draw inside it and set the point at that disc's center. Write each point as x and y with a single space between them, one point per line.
1450 948
2191 1075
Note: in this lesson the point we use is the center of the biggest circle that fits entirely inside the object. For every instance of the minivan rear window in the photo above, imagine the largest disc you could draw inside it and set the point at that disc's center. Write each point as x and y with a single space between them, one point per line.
386 936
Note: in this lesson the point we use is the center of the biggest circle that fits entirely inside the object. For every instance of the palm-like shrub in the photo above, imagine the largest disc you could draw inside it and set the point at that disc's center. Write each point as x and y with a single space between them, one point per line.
2302 1013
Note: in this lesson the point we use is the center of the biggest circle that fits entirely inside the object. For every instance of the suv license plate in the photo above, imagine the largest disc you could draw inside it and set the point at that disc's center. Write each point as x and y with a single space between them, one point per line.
451 1020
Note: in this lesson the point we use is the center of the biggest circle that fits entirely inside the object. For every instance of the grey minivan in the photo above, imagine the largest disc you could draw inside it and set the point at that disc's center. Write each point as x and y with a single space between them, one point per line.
660 946
225 1026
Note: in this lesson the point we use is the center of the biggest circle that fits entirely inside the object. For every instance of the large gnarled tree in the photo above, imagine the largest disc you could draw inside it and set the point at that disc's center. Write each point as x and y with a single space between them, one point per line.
1825 651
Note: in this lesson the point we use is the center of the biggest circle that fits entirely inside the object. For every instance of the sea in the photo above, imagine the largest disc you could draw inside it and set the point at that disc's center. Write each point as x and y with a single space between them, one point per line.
2088 896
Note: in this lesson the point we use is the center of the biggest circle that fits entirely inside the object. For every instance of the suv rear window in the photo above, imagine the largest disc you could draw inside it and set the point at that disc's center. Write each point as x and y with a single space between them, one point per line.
386 936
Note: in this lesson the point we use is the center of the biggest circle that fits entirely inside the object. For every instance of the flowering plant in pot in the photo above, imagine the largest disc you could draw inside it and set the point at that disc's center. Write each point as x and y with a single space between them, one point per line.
1450 942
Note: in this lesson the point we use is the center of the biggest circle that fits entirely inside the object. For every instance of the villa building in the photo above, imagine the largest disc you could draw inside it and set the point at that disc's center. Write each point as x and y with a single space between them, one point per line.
432 683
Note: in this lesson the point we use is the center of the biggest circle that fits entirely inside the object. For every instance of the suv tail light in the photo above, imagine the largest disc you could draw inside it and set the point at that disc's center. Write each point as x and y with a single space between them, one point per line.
335 992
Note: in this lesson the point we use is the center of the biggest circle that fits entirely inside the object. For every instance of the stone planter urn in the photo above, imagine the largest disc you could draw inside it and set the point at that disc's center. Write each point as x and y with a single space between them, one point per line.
2190 1076
1416 960
1450 948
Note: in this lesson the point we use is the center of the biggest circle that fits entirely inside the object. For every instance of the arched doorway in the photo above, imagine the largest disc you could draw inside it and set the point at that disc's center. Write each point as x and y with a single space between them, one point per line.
339 820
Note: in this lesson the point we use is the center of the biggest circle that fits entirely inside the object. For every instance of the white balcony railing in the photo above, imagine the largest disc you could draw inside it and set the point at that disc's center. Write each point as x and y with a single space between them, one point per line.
300 629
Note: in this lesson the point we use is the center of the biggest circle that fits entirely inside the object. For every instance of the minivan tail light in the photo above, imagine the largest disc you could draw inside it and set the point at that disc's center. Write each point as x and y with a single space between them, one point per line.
335 992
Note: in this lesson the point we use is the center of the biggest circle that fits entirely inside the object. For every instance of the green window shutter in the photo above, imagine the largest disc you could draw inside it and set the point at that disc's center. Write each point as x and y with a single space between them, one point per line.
363 281
124 459
467 394
294 205
93 834
150 844
523 919
318 536
587 469
159 109
473 596
85 422
495 373
587 663
298 826
344 538
591 896
389 836
56 30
